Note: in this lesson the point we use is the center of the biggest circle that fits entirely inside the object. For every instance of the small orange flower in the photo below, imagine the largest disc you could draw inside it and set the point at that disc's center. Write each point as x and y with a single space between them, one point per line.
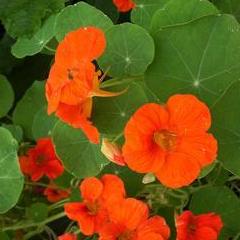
73 80
55 194
129 221
198 227
124 5
98 197
170 141
112 152
67 236
41 160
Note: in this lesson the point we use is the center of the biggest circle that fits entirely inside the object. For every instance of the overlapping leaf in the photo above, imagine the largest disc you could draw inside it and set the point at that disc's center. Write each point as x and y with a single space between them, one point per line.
11 179
202 58
130 50
6 96
80 15
80 157
226 118
32 101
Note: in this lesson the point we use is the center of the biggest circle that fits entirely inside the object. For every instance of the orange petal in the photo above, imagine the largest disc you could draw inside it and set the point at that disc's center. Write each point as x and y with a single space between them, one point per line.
188 115
140 151
114 190
73 115
91 188
155 226
53 98
178 170
124 5
130 213
202 149
86 43
74 209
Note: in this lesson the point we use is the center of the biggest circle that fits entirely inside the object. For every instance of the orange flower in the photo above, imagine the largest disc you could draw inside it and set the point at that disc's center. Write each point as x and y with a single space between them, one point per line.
98 197
73 80
55 194
112 152
170 141
198 227
124 5
41 160
67 236
129 221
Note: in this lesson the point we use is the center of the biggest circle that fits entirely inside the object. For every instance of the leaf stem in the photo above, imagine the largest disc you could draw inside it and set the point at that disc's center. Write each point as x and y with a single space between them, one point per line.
119 81
38 224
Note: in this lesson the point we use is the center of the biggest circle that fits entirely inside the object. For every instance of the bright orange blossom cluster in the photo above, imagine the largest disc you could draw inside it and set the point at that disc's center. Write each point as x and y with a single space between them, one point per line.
73 79
106 210
124 5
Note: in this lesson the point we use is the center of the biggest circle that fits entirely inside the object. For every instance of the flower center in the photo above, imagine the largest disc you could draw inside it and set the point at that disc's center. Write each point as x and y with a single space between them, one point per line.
165 139
40 159
71 73
127 235
92 208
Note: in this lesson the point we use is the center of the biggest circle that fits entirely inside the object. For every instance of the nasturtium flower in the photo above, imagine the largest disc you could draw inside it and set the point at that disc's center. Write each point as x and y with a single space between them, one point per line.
170 140
98 197
124 5
112 152
68 236
41 160
74 80
198 227
129 221
55 194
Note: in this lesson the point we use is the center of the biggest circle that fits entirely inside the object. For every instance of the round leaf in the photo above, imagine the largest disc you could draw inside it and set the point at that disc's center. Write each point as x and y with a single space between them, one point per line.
80 157
15 130
201 58
130 49
181 11
43 123
32 101
226 128
28 47
11 179
7 96
80 15
144 10
222 201
37 212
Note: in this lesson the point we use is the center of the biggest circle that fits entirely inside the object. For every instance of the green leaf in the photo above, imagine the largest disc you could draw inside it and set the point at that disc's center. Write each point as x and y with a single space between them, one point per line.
222 201
64 181
31 46
43 123
24 17
206 170
144 10
130 49
111 114
4 236
37 212
7 96
15 130
180 12
201 58
80 15
229 6
32 101
11 179
226 128
80 157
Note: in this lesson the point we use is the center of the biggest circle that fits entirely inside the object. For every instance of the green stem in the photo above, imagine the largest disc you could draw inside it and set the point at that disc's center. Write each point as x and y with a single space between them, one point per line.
58 204
48 220
117 137
50 49
36 184
119 81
